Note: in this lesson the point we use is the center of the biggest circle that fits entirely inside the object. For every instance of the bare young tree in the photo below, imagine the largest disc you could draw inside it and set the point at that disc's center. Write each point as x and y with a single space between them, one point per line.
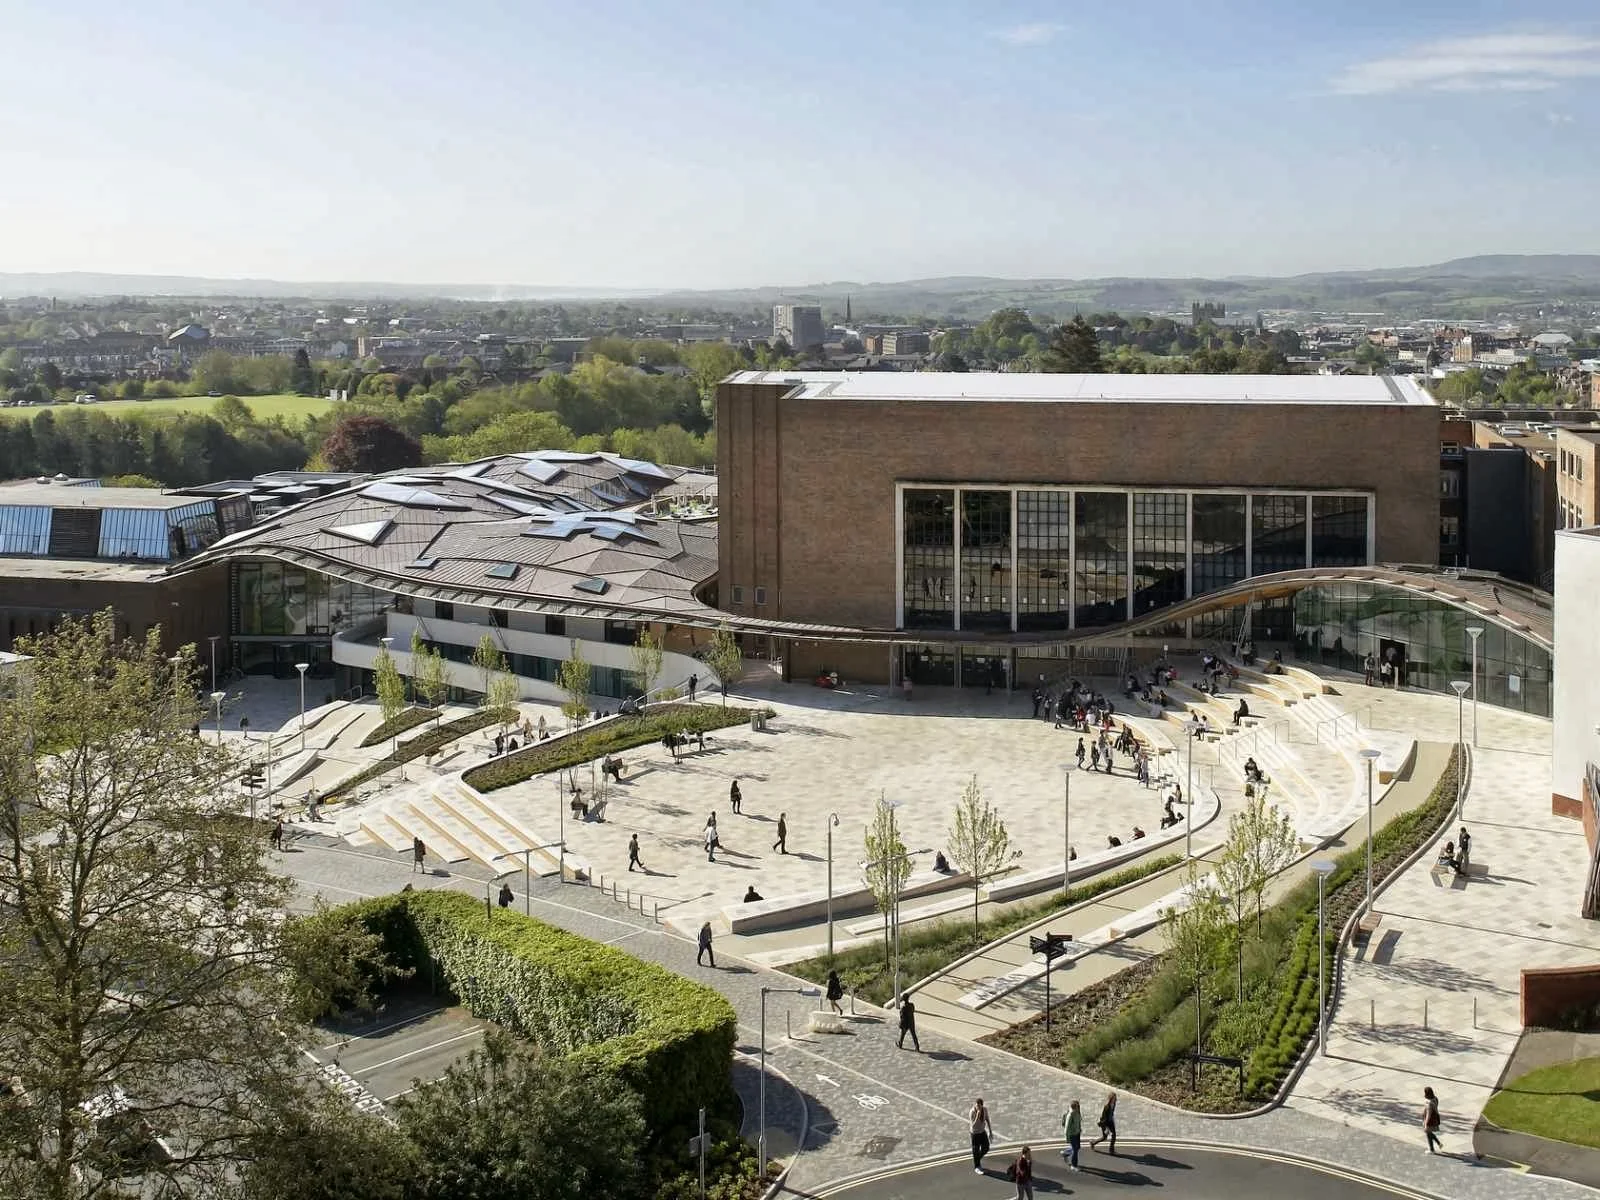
888 866
726 659
391 686
140 984
573 678
428 672
979 843
1194 930
1267 844
646 660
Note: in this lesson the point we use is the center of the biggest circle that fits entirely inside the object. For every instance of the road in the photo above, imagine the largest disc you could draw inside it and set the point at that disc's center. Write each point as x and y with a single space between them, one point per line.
1191 1173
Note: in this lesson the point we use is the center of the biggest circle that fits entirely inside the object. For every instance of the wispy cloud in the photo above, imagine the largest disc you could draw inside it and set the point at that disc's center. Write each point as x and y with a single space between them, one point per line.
1036 33
1515 62
1558 118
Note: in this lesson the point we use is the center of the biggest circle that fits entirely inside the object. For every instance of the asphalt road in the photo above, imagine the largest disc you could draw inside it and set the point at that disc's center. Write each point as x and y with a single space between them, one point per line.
412 1038
1183 1171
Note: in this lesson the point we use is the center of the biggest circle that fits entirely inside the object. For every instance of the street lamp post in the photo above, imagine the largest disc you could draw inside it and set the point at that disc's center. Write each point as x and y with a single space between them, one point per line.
761 1139
213 640
1461 686
1369 754
1474 632
561 830
1192 729
833 819
1067 769
1323 867
217 699
301 667
894 840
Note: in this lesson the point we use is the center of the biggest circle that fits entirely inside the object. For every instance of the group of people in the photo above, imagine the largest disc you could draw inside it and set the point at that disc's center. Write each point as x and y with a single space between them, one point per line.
1152 690
1077 707
1020 1170
1457 854
675 742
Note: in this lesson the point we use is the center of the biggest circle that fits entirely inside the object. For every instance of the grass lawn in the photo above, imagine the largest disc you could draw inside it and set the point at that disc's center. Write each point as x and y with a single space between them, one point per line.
1560 1102
283 404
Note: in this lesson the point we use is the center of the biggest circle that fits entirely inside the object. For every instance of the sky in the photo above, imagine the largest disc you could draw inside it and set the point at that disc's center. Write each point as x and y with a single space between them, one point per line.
746 143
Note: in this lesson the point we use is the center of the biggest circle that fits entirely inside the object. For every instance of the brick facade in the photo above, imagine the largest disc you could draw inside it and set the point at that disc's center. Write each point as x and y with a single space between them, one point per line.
806 487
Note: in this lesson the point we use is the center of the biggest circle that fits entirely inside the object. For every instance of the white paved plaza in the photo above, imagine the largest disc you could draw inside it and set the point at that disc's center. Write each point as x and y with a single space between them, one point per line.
837 754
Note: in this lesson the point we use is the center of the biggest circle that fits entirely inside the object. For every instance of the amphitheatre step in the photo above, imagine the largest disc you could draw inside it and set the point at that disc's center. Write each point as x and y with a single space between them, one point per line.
431 825
496 825
378 827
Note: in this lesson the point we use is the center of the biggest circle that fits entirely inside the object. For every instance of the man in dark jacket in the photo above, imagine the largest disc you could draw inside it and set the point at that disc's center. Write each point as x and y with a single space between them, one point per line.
908 1024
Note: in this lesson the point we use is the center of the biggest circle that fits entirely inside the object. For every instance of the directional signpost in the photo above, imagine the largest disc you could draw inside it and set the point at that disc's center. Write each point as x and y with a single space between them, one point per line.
1052 946
698 1145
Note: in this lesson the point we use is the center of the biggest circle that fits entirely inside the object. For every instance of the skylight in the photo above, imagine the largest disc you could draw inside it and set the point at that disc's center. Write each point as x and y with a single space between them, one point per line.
503 571
424 564
410 497
368 533
594 586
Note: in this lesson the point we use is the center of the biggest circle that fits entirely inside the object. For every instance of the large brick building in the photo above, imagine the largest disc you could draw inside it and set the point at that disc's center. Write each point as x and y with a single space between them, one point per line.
990 513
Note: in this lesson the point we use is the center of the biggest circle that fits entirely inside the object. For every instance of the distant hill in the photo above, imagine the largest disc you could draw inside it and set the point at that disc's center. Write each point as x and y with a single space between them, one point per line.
1463 287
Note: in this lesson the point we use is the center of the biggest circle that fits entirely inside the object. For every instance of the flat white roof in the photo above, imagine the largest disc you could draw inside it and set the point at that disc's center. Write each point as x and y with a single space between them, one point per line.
1118 389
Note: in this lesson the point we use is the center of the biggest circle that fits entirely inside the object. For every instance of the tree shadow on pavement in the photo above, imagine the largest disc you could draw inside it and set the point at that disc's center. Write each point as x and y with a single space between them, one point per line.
1373 1103
1434 1041
1430 972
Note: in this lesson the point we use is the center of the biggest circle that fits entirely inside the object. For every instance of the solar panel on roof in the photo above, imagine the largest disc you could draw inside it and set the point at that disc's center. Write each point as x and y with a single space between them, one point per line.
503 571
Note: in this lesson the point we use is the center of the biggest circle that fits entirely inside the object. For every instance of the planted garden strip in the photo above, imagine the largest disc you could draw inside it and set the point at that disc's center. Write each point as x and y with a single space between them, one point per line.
423 743
410 719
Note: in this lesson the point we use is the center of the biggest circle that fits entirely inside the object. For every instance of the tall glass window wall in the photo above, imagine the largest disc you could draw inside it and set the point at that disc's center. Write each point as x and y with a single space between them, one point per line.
1277 534
1339 624
1087 558
986 559
1100 530
930 558
272 599
1044 560
1338 531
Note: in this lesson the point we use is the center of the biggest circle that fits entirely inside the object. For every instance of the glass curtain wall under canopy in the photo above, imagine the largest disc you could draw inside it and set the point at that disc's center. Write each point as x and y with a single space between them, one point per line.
1100 530
1044 560
1160 549
986 559
1338 531
273 599
1277 534
929 555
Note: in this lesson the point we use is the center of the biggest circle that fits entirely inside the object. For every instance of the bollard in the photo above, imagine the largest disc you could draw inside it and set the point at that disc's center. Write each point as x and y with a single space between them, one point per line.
656 914
1424 1012
629 894
613 889
1372 1013
852 1002
1474 1012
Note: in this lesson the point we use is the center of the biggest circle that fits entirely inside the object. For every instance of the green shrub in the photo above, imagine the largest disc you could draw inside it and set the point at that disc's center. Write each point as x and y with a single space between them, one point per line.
927 949
409 719
669 1038
614 736
423 743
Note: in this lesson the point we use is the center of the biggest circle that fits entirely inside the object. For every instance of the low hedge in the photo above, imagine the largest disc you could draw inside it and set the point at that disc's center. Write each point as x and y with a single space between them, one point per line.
423 743
408 719
670 1038
612 737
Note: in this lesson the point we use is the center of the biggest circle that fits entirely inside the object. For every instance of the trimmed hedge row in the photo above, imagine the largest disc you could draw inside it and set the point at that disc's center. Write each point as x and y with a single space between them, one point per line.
408 719
615 735
423 743
670 1038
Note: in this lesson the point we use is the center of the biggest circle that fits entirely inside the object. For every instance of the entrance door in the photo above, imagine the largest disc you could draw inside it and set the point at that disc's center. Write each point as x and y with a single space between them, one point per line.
928 666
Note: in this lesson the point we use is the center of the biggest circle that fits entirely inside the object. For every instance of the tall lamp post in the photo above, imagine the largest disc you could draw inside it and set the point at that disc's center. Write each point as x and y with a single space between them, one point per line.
1474 632
894 840
1461 686
1323 867
1067 768
1192 730
213 640
1370 755
217 699
833 820
301 667
761 1139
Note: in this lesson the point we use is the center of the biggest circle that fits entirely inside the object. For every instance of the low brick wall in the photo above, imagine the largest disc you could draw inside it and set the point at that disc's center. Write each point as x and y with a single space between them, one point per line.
1548 992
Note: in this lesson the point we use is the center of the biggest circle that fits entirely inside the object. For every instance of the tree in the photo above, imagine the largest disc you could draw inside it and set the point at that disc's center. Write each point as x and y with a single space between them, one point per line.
139 928
978 841
301 377
1268 843
326 1149
1194 929
1074 349
511 1122
646 660
367 444
888 865
500 690
232 413
726 659
573 679
428 672
486 657
391 687
1234 880
131 481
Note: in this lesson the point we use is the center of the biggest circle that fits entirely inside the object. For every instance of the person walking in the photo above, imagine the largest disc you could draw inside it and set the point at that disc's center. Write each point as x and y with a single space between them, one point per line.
418 853
982 1131
735 796
633 854
1022 1174
1081 753
835 992
1463 850
694 683
277 835
782 844
1072 1126
1108 1123
705 952
711 842
1430 1120
908 1024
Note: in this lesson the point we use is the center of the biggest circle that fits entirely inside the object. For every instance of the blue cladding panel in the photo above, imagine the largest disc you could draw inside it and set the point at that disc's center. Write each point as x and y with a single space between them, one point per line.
24 529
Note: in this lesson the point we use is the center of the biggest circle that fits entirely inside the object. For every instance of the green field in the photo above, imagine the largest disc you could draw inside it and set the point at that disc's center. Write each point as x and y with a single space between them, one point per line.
1560 1102
283 404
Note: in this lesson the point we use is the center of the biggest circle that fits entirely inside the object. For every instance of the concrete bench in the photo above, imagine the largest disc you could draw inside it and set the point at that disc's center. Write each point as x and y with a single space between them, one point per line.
1368 925
802 907
826 1021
